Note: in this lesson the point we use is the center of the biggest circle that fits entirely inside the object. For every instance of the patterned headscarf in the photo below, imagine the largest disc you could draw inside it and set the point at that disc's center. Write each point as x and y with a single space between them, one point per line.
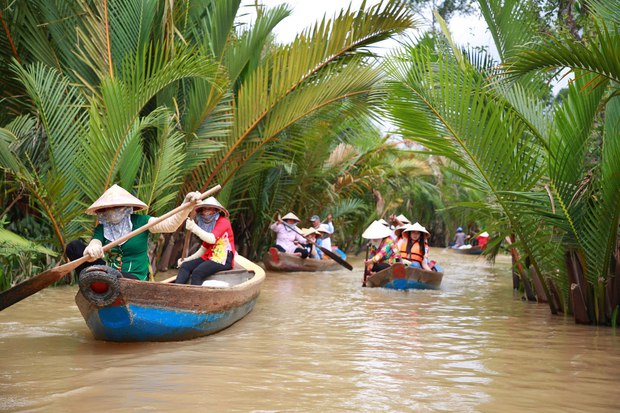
116 222
207 223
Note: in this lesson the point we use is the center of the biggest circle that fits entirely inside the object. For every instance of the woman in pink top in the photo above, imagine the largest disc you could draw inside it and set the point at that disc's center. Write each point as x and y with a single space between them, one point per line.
288 238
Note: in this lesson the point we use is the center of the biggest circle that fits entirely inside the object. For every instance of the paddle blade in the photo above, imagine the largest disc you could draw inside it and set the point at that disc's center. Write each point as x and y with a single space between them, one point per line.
336 258
30 286
35 284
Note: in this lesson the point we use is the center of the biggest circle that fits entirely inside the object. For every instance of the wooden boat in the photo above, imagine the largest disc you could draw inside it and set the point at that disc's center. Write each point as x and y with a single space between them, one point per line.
121 309
474 250
275 260
402 277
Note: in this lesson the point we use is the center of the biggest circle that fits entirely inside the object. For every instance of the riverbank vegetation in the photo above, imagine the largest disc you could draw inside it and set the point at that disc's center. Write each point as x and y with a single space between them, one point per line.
163 98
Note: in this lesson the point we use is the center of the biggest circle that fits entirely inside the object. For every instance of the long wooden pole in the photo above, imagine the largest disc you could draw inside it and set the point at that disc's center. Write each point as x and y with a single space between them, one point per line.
49 277
366 267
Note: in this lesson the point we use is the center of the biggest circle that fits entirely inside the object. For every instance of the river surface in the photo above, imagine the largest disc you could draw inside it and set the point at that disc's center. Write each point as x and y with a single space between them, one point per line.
318 342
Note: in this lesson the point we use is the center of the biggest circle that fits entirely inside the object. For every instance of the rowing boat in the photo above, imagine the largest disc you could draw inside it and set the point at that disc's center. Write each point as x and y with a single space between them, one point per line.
474 250
121 309
275 260
402 277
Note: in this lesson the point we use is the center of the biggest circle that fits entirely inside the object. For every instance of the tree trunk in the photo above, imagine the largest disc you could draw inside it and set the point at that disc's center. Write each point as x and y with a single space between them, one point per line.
574 268
580 311
541 296
555 299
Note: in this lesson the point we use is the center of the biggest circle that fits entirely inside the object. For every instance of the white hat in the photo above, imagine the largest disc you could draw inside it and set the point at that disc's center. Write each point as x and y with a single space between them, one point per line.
292 216
384 222
376 230
213 203
403 219
416 227
323 228
401 227
309 231
484 234
116 196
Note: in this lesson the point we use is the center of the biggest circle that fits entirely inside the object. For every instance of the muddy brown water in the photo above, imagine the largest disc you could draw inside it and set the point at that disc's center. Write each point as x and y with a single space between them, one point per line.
318 342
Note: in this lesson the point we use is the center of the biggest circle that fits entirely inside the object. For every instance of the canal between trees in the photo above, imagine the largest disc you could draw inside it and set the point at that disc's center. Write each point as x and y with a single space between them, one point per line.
319 342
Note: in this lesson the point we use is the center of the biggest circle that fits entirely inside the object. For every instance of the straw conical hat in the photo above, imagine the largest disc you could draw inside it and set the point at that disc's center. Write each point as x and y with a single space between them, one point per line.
292 216
309 231
213 203
116 196
403 219
376 230
401 227
484 234
383 222
416 227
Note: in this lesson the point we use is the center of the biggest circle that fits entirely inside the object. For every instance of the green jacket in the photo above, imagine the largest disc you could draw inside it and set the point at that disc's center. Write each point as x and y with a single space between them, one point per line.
131 256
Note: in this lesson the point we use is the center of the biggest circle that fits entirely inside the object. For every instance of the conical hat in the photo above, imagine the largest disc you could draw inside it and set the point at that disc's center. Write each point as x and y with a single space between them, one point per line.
323 228
403 219
376 230
213 203
401 227
415 227
116 196
309 231
292 216
484 234
383 222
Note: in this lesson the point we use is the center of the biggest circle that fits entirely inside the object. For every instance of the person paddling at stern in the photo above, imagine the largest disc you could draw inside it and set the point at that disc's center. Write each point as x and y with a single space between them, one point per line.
115 213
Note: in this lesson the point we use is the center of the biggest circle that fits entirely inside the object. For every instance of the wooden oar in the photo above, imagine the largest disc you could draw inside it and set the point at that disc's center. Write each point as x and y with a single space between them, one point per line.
327 252
366 267
49 277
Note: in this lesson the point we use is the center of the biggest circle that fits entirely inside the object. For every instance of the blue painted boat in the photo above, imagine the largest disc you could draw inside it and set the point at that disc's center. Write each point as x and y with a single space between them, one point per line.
402 277
125 310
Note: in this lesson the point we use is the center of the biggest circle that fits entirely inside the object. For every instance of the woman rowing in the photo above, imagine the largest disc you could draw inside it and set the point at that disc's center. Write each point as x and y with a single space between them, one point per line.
382 250
288 238
115 211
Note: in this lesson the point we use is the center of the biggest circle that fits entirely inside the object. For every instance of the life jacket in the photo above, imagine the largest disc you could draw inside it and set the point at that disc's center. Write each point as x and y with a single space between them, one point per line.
415 254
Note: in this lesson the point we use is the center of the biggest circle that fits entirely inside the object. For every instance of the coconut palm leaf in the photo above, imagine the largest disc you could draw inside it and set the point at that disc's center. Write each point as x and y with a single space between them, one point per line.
554 52
11 239
607 10
293 66
493 147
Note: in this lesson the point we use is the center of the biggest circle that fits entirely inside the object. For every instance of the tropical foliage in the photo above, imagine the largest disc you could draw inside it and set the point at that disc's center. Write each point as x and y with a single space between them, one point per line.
166 97
548 168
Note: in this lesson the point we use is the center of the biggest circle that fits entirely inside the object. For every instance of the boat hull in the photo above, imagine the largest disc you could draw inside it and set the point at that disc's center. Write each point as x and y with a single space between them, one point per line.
275 260
147 311
475 250
402 277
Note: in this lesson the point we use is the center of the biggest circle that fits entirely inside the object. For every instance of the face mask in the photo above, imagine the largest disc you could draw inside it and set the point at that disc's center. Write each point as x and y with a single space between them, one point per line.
114 215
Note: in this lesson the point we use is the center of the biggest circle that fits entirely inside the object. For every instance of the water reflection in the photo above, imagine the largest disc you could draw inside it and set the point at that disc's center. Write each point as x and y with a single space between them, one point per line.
319 342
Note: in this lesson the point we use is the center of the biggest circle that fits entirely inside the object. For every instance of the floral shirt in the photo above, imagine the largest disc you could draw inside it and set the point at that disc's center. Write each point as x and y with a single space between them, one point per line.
385 252
224 242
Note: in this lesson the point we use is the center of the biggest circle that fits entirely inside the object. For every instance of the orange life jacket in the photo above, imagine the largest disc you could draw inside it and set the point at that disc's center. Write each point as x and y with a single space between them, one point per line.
414 255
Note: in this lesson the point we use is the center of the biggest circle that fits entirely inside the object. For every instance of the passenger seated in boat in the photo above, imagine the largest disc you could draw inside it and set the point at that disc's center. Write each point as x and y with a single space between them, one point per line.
311 235
413 248
288 237
217 251
459 238
115 213
383 252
